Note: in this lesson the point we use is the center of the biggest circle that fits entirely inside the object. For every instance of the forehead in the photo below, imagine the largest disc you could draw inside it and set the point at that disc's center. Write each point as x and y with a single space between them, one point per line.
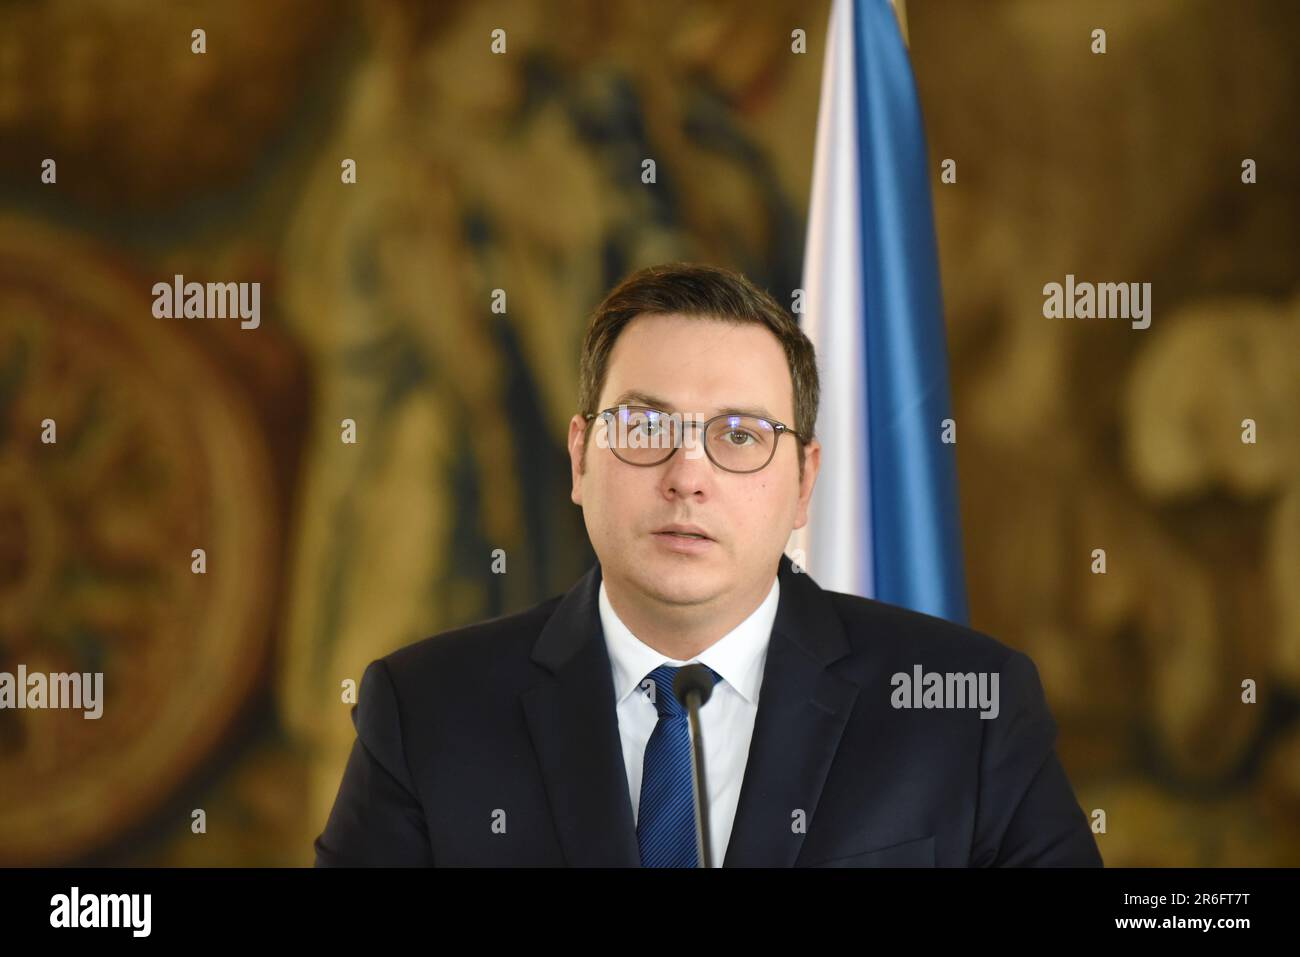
692 364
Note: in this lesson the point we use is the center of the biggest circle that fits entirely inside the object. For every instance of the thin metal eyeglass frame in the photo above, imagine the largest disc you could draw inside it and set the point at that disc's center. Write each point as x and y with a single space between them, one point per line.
778 427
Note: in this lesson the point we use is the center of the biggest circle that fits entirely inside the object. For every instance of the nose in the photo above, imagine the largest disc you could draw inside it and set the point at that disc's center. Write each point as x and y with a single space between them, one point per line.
688 472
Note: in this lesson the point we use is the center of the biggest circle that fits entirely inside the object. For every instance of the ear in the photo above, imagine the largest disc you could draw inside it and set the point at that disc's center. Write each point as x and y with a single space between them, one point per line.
577 438
812 461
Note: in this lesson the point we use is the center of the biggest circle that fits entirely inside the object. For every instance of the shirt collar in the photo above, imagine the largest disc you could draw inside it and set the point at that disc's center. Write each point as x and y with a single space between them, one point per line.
737 656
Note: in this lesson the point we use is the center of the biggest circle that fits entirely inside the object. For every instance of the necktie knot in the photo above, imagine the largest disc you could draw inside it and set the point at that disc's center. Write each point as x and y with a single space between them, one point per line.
659 686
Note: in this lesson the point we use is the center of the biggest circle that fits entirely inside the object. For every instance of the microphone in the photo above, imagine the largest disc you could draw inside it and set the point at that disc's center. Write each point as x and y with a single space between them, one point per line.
693 686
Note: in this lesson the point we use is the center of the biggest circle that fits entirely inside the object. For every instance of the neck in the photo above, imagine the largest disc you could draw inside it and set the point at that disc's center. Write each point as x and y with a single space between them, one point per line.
682 632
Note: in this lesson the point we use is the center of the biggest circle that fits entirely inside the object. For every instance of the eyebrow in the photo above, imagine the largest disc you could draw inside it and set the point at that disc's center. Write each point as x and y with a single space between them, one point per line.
635 397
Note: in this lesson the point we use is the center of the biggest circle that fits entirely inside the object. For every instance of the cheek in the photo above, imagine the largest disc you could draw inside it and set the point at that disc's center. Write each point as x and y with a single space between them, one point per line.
615 499
769 494
765 506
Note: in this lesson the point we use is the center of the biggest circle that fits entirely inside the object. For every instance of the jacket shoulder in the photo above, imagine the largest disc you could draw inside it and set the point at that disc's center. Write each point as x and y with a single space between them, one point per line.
895 630
480 647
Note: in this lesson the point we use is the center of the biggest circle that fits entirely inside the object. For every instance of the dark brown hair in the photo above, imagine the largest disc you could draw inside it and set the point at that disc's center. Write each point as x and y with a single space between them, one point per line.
709 293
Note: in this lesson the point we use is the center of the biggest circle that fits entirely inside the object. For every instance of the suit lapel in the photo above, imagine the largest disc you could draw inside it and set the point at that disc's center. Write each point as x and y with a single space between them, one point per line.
574 727
803 707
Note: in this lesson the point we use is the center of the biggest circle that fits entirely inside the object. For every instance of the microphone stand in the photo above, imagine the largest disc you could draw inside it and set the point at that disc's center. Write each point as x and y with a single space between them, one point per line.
694 693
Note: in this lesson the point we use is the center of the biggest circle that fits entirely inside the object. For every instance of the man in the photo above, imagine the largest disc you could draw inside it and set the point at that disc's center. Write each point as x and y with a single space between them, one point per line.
553 737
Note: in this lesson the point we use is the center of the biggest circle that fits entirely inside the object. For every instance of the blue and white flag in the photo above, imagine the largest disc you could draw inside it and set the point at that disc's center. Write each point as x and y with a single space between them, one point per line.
884 521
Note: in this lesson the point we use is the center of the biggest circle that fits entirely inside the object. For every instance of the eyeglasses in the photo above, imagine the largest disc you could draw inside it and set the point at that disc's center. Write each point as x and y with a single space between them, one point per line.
735 443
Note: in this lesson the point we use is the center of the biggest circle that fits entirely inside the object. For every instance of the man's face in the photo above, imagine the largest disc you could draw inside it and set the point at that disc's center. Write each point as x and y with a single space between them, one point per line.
697 368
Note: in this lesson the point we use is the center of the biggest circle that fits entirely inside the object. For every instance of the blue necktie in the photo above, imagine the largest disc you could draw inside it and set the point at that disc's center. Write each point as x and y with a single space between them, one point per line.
665 822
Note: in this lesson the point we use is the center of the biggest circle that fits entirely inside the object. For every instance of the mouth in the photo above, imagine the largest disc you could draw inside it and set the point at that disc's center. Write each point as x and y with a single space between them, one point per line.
683 539
684 531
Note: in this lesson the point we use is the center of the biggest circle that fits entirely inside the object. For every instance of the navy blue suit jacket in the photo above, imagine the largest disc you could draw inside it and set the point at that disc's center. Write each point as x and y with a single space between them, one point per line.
497 744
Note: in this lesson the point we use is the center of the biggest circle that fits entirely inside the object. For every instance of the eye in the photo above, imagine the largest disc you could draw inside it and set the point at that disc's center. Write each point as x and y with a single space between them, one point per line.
739 437
647 424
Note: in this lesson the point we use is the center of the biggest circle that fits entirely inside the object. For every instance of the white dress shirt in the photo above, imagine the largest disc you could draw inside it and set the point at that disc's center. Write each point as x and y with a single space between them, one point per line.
726 720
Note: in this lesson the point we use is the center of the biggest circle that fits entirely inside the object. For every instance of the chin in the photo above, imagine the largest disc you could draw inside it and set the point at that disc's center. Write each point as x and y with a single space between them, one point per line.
682 583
